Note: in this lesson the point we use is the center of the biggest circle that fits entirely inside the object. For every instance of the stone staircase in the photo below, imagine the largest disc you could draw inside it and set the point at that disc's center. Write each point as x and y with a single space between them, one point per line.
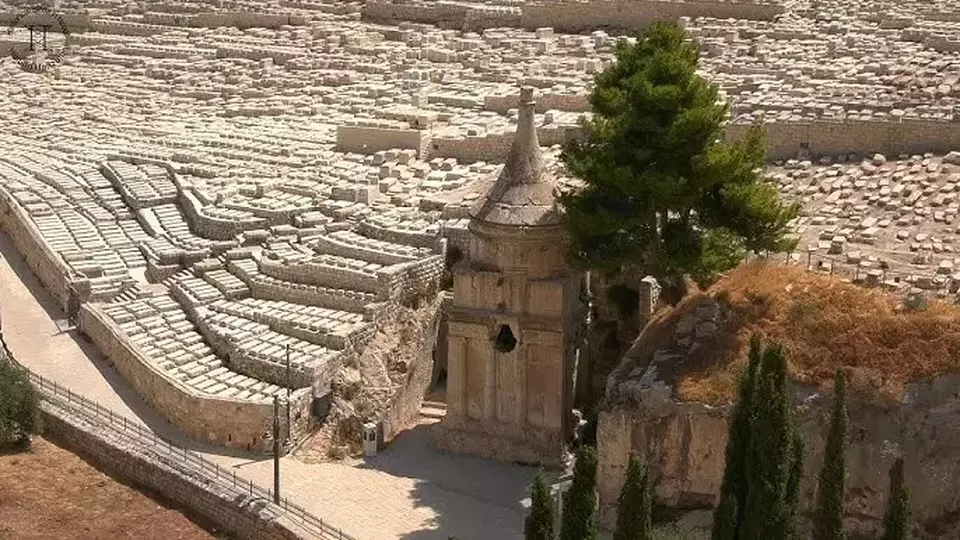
432 412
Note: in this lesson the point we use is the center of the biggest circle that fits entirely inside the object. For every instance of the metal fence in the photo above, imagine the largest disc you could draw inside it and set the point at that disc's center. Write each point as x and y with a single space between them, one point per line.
172 454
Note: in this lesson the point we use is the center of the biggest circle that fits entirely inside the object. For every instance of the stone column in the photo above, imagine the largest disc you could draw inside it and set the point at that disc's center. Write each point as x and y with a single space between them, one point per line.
521 385
490 383
457 377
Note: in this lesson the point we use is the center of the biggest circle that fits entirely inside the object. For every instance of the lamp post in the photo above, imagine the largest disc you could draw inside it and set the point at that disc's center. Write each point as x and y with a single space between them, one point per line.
276 450
289 383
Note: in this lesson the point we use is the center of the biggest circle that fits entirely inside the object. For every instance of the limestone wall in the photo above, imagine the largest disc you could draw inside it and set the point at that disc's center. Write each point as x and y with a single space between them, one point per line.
495 148
407 282
409 238
319 274
367 140
47 265
566 15
573 16
545 101
221 421
207 226
685 444
225 507
433 13
830 138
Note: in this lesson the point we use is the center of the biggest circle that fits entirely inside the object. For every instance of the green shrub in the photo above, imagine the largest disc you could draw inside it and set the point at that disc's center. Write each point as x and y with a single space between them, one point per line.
19 405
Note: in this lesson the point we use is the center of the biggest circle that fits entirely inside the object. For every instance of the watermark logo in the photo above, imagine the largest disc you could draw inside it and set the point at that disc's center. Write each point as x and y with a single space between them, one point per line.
38 39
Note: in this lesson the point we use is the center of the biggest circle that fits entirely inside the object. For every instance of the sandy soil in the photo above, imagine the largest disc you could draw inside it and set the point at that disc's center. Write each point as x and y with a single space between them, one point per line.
50 493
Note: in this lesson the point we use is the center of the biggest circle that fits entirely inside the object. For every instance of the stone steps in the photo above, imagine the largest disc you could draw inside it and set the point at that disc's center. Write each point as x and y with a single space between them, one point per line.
433 410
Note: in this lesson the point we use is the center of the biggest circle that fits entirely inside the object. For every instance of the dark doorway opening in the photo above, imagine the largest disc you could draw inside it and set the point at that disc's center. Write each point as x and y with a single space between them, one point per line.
505 342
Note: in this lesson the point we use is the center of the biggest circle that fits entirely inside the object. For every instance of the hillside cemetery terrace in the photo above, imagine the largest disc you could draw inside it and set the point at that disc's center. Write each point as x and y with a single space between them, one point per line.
228 191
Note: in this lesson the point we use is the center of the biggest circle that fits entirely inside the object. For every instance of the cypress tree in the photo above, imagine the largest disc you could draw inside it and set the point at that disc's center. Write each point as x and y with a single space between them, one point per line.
540 522
828 524
770 452
633 513
792 496
733 491
896 522
578 521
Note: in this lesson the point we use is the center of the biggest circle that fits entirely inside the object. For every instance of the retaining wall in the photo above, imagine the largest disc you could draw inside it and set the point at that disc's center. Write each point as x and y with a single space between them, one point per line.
833 138
496 147
407 282
567 16
222 421
367 140
631 15
215 228
232 509
410 238
52 270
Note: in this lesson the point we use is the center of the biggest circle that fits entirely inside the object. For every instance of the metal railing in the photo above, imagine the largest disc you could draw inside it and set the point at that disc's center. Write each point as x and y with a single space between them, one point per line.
172 454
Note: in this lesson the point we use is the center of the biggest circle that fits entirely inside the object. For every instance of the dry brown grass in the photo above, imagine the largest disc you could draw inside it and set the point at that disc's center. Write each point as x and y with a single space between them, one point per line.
50 493
824 323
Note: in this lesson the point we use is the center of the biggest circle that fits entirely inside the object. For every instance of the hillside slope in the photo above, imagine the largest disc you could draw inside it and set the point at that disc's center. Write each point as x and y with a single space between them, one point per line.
822 322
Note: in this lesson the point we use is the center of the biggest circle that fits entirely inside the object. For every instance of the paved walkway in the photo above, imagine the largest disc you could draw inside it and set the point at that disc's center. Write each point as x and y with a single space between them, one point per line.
410 491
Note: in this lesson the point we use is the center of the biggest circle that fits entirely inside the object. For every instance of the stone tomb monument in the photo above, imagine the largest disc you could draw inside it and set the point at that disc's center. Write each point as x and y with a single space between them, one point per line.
514 318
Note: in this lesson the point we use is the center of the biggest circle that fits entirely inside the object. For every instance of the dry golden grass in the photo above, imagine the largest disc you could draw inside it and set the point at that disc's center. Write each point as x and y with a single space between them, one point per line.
822 324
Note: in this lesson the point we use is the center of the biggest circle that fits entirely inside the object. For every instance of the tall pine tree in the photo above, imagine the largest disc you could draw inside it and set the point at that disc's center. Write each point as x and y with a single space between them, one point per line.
578 521
662 189
733 491
828 524
633 512
896 522
771 451
539 524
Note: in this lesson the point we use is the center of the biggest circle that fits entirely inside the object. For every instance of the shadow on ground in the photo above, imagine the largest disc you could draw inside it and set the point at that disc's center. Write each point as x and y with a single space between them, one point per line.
499 490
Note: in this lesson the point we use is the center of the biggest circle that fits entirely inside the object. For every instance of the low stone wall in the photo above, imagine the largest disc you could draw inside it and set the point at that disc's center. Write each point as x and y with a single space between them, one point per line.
243 19
207 226
496 147
232 509
408 282
567 15
834 138
409 238
437 13
685 443
262 286
632 15
354 251
47 265
546 101
222 421
367 140
312 273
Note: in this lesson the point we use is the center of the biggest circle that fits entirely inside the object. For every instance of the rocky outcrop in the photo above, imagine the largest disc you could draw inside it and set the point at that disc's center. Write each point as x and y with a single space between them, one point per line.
685 442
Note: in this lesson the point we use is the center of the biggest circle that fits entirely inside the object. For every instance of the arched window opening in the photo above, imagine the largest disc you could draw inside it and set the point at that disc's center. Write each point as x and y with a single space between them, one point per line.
506 342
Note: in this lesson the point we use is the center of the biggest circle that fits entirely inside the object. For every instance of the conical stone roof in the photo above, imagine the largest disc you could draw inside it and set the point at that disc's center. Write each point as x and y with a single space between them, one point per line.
523 194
